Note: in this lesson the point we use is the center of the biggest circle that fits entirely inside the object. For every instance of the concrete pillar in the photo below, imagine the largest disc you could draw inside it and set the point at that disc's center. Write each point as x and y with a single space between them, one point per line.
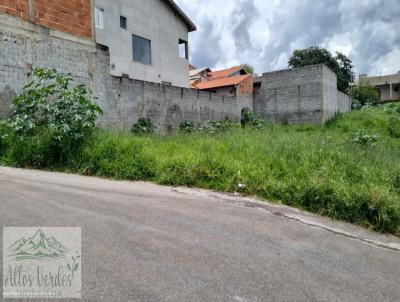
391 91
32 10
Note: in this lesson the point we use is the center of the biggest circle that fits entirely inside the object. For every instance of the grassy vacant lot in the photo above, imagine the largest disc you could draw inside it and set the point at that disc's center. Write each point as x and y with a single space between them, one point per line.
339 170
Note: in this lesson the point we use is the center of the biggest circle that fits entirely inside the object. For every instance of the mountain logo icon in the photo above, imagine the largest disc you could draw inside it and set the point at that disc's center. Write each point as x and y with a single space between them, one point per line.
38 247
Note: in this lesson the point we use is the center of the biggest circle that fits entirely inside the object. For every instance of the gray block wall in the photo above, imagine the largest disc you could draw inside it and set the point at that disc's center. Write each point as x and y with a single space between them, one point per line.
300 96
124 101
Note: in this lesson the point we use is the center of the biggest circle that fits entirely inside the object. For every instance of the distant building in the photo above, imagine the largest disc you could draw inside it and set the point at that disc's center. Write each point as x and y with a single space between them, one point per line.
388 86
147 40
198 75
235 81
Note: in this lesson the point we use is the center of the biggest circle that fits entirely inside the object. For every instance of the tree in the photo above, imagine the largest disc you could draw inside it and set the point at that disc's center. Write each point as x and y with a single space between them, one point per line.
364 94
339 64
248 68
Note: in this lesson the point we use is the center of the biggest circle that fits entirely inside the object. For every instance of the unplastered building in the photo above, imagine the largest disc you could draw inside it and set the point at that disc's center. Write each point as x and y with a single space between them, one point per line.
388 86
147 40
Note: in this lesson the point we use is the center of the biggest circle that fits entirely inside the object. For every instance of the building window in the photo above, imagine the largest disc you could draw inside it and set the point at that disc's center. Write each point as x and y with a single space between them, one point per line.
99 18
123 22
141 50
183 49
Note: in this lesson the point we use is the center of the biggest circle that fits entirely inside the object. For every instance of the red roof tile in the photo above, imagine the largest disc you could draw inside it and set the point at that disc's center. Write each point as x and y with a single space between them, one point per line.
222 82
224 73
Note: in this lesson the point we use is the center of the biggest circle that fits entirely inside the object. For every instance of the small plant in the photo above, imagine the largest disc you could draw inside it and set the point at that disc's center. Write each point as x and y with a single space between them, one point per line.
215 127
187 127
364 138
251 119
143 126
394 127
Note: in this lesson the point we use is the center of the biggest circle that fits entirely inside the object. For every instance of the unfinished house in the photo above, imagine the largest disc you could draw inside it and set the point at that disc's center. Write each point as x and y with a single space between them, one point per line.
198 75
388 86
234 81
147 40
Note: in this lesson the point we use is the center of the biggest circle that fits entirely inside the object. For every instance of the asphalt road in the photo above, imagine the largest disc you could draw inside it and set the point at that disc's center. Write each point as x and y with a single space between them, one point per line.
143 242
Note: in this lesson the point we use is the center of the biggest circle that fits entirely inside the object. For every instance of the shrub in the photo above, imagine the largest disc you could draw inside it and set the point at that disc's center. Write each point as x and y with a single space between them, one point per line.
392 108
143 126
4 136
215 127
251 119
364 95
364 138
49 104
187 127
394 127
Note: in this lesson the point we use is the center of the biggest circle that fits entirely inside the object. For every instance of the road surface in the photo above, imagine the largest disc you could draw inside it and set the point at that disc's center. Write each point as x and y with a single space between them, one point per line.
143 242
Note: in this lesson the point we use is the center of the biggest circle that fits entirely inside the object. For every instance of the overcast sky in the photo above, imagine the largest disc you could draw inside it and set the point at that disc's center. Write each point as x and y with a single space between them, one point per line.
264 33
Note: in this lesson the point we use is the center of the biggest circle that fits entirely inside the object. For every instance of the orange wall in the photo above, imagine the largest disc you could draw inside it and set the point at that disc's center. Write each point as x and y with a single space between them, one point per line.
71 16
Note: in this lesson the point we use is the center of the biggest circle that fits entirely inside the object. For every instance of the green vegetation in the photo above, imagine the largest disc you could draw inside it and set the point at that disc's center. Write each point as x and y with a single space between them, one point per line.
143 126
51 115
363 95
187 126
348 169
339 64
394 126
248 68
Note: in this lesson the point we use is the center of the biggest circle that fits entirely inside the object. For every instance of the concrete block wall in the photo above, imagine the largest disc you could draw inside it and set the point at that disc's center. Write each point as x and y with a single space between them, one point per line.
124 101
300 96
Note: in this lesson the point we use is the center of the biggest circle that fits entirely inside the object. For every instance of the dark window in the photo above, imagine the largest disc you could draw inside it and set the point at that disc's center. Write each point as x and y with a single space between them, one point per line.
183 49
141 50
123 22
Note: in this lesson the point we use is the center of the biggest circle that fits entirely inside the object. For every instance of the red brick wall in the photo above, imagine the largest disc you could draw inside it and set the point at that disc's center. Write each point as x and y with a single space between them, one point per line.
246 87
71 16
15 8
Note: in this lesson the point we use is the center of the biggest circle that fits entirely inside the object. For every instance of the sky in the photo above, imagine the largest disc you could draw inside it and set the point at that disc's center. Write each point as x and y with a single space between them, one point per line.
264 33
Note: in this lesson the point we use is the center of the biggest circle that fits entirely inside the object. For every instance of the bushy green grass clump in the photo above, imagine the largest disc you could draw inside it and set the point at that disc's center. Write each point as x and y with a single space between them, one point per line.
318 168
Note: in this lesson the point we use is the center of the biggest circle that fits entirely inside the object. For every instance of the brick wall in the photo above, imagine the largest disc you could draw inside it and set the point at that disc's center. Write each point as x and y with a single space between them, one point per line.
15 8
246 87
71 16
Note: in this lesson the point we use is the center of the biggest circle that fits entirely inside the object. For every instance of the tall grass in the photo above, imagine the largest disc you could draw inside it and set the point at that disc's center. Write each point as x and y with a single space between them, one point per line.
317 168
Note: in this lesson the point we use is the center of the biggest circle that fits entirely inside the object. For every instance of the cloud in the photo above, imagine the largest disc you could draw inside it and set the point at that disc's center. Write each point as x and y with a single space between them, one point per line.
243 17
207 50
265 33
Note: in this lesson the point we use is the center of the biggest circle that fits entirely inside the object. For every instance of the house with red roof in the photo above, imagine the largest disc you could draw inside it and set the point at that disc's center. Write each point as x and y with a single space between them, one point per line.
235 81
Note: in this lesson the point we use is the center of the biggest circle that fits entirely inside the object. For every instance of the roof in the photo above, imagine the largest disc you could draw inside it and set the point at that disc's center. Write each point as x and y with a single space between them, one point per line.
381 80
191 26
195 72
225 72
222 82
